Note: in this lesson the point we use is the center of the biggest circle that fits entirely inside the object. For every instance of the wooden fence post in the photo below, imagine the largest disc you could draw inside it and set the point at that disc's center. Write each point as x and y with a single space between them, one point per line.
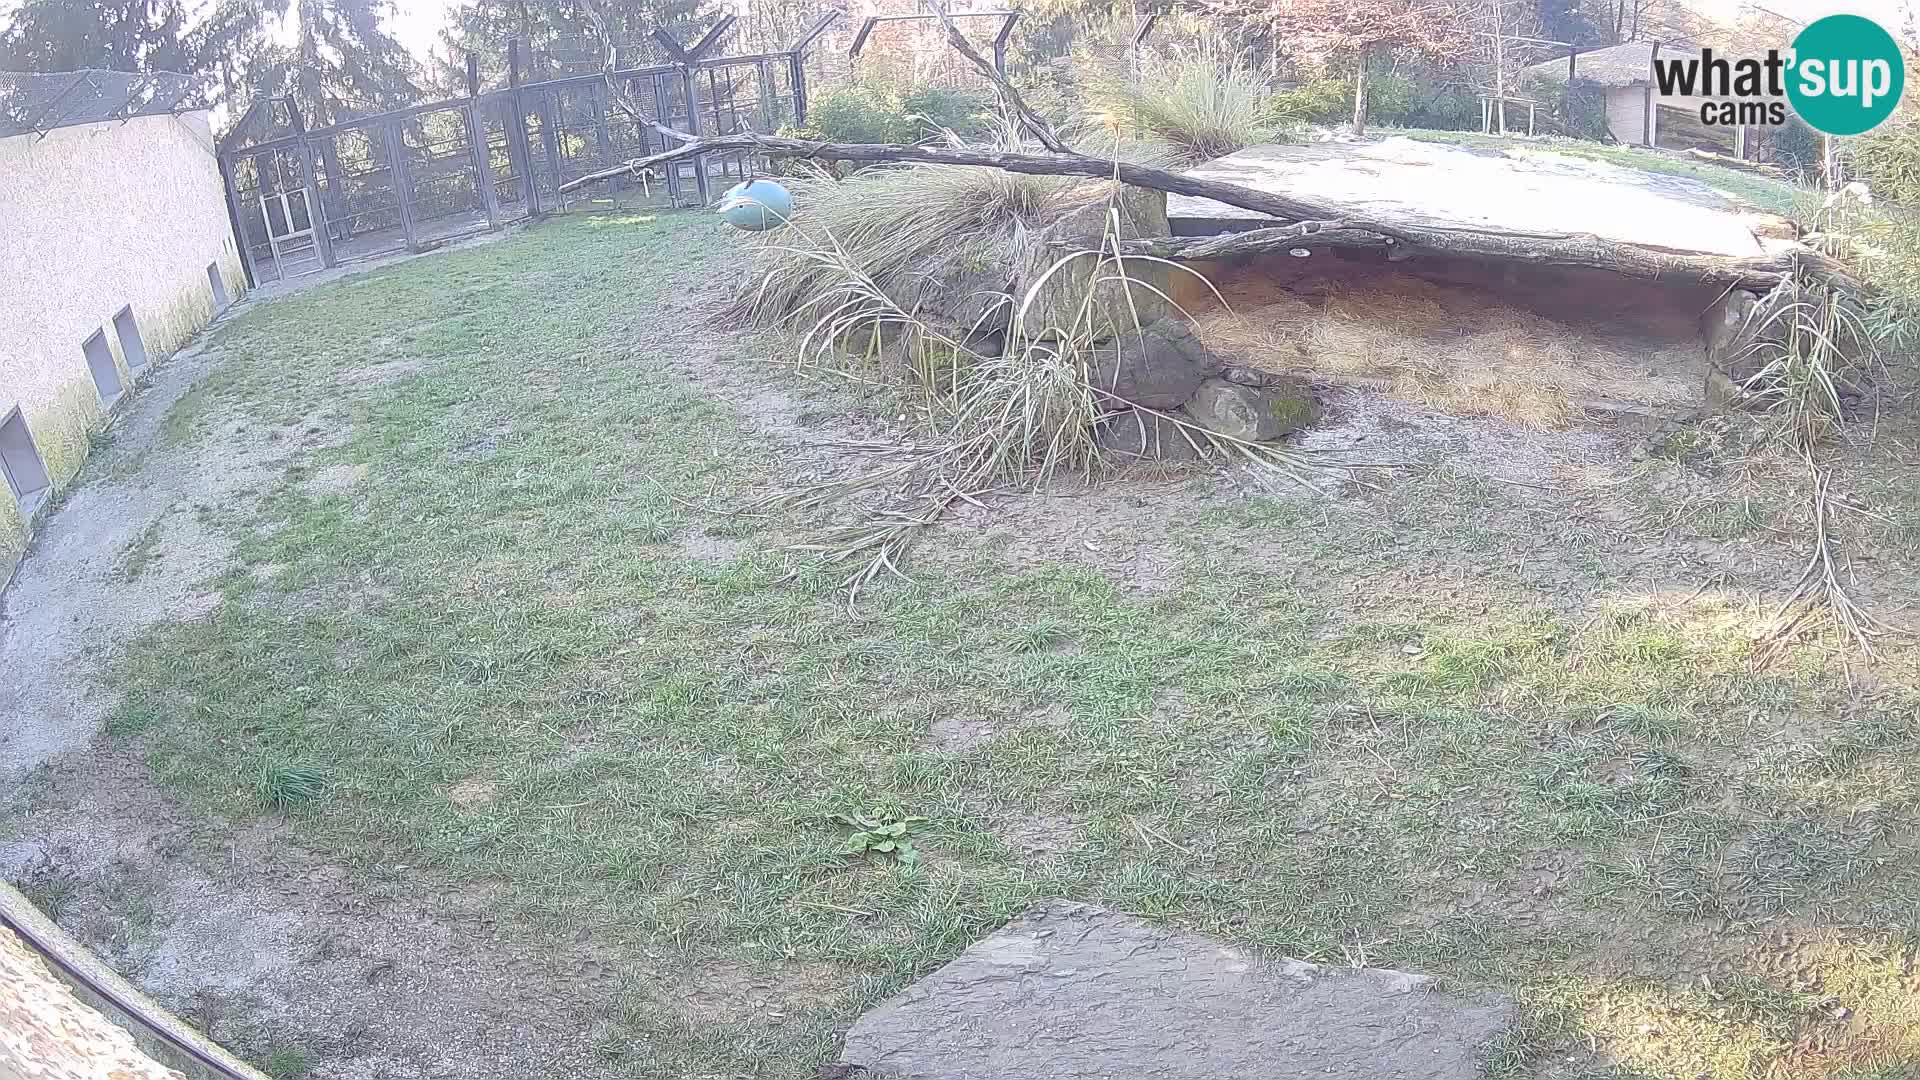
402 186
238 223
797 75
660 114
769 119
691 87
518 146
602 132
316 214
797 62
550 147
482 163
482 150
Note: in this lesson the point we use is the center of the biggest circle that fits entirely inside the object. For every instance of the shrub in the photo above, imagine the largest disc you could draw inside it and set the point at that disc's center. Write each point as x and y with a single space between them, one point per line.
1580 108
1417 98
1888 159
1321 101
1892 268
866 113
938 108
1881 244
1394 98
1796 147
1200 107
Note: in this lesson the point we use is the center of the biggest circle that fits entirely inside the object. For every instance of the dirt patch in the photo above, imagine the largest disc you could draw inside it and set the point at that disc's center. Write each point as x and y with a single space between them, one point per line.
472 793
1121 528
384 372
73 601
1445 346
734 994
336 479
1039 836
251 932
1367 426
699 544
959 733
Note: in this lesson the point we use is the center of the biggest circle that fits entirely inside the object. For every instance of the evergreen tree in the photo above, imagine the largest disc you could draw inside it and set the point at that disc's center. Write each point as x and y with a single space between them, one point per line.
338 63
562 36
120 35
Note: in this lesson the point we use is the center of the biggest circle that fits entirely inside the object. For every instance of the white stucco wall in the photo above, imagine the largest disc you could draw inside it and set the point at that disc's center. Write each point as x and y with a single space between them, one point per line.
1627 114
92 219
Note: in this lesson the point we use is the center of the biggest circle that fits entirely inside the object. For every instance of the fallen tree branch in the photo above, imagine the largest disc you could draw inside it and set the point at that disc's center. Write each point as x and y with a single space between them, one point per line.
1029 119
1537 249
1820 589
1326 223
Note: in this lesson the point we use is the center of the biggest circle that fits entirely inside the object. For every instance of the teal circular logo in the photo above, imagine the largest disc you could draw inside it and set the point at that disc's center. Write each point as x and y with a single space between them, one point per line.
1846 75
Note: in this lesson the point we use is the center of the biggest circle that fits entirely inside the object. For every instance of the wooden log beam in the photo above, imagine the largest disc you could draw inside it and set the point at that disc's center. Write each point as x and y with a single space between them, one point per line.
1316 221
1532 249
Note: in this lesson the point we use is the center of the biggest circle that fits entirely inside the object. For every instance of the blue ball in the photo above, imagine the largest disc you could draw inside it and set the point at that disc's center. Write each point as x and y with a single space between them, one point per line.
756 206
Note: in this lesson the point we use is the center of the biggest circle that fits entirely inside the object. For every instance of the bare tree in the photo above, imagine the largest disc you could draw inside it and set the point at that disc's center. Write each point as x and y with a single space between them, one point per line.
1361 29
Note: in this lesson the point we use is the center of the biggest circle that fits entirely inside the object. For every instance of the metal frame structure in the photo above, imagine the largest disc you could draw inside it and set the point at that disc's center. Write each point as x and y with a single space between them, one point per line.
415 177
42 103
1008 19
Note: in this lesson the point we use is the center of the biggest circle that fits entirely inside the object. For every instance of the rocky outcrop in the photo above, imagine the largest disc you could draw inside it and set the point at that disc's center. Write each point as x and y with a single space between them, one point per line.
1253 413
1090 292
1158 366
1140 436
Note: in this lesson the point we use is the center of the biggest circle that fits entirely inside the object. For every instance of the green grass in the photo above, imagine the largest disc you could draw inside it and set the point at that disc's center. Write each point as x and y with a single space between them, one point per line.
288 1063
1438 728
139 552
1765 193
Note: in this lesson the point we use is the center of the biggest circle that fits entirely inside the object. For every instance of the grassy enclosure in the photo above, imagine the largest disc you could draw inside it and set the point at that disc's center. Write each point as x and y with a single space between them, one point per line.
534 602
1515 736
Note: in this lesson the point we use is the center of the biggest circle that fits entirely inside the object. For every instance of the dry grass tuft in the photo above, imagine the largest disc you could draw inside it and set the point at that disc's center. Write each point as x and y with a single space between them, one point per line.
910 229
1018 418
918 232
1442 347
1202 106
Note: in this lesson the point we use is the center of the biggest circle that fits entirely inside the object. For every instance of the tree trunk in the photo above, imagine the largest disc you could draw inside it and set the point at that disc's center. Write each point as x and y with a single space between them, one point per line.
1758 273
1500 66
1320 222
1360 94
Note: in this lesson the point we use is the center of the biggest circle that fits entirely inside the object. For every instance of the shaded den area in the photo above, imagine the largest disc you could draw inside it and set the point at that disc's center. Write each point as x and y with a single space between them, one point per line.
1537 345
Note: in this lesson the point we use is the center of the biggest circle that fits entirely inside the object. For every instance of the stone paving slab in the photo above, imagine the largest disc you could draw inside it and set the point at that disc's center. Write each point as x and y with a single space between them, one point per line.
1524 191
1074 992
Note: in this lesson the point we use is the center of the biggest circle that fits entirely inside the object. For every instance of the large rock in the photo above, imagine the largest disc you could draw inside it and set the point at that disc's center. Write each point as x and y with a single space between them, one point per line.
1729 329
1055 299
962 291
1158 366
1253 413
1147 437
1075 992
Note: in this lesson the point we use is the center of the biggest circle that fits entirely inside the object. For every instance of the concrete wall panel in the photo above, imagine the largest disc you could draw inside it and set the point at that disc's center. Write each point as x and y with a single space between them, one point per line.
93 219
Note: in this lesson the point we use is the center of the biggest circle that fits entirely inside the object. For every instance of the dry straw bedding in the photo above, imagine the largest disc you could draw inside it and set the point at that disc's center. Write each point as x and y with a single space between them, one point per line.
1445 347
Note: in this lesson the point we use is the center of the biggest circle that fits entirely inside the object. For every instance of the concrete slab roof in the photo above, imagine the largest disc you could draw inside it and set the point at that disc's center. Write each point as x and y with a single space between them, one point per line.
1453 186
